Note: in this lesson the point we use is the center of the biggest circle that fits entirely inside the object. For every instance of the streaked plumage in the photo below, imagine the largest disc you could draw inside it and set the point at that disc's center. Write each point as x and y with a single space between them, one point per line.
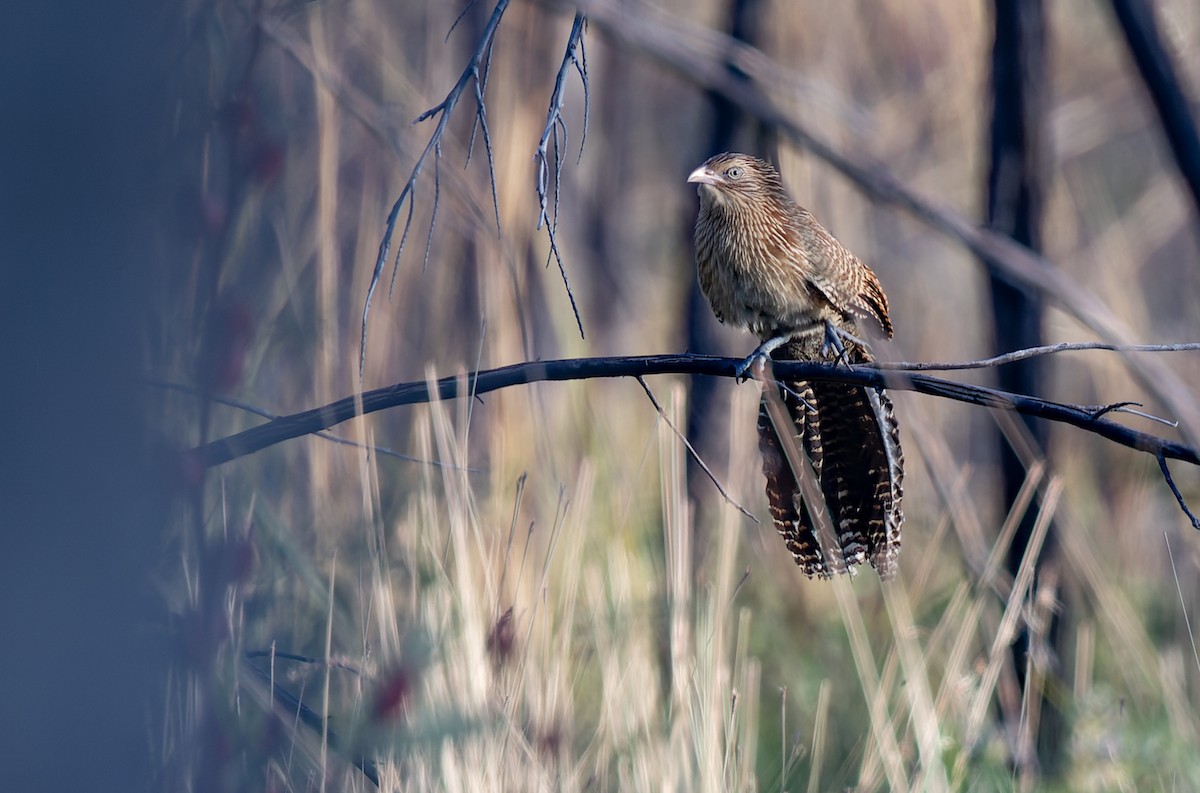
767 265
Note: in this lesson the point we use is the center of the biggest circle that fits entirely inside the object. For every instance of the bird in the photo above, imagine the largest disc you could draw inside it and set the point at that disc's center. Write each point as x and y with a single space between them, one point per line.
766 265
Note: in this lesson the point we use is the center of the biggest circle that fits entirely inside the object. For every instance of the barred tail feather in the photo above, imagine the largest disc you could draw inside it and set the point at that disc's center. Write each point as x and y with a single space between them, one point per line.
863 475
851 436
792 517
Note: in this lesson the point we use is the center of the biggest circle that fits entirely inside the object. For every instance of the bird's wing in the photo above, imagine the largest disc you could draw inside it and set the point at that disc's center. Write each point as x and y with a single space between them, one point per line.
836 274
872 299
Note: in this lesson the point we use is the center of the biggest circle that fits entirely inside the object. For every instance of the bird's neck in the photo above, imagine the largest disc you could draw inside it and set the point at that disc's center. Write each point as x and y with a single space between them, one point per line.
747 228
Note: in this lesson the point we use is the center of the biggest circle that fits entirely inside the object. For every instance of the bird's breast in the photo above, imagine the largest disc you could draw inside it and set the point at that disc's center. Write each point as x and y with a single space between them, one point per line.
752 277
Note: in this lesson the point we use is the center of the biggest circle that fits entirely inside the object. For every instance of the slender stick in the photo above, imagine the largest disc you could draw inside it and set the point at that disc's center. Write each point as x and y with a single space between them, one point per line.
285 428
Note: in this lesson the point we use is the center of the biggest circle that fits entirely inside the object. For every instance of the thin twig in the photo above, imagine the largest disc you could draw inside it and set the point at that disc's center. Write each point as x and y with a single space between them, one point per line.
1103 410
1127 407
695 454
1166 472
738 586
1147 416
556 125
1187 621
461 15
1033 352
474 72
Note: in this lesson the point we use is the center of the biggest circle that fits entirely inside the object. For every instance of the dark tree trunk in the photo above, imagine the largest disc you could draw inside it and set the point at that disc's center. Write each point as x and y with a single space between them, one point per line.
702 430
727 121
1015 201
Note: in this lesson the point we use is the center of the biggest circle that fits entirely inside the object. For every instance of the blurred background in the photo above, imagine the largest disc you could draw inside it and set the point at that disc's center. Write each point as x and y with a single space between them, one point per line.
537 589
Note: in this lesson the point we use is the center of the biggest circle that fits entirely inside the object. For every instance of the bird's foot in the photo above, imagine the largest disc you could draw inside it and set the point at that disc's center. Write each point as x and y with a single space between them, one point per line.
760 356
834 336
752 361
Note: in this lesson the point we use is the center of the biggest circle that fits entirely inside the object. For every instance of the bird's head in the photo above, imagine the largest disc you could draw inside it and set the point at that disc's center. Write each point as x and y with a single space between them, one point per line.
738 180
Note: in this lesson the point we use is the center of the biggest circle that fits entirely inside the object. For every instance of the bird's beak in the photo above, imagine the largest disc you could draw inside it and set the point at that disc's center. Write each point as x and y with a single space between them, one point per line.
703 175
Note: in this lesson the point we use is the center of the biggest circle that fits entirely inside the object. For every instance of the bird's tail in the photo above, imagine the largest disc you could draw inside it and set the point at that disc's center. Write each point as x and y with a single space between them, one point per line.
851 438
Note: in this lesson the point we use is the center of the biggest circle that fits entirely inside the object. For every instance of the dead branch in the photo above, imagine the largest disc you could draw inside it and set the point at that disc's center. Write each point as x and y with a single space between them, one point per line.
1034 352
237 404
556 133
287 703
475 73
306 422
1089 418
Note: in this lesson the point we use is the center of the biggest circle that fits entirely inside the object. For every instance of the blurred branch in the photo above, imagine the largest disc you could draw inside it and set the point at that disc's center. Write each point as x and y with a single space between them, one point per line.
1086 417
250 655
746 76
556 133
266 414
1136 19
297 711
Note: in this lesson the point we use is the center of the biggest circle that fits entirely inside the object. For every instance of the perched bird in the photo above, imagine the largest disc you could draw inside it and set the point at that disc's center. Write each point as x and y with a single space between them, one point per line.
766 264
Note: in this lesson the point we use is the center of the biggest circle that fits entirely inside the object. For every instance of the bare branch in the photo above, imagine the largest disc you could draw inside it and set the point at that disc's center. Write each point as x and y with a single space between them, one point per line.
474 72
290 704
332 663
1033 352
556 132
482 382
310 421
692 451
328 436
374 116
1166 472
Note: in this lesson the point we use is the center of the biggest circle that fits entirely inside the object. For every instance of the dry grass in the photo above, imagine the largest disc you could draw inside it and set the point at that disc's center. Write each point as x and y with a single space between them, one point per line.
654 641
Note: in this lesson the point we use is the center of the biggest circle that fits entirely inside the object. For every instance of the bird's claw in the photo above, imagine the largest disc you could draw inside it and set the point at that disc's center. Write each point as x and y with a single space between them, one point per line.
833 342
760 356
752 361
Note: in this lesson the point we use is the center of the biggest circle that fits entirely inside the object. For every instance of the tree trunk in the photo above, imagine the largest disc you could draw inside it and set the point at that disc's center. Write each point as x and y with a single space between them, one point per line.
1015 202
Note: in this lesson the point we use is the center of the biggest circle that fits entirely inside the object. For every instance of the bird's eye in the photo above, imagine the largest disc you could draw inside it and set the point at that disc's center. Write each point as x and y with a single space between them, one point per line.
734 172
